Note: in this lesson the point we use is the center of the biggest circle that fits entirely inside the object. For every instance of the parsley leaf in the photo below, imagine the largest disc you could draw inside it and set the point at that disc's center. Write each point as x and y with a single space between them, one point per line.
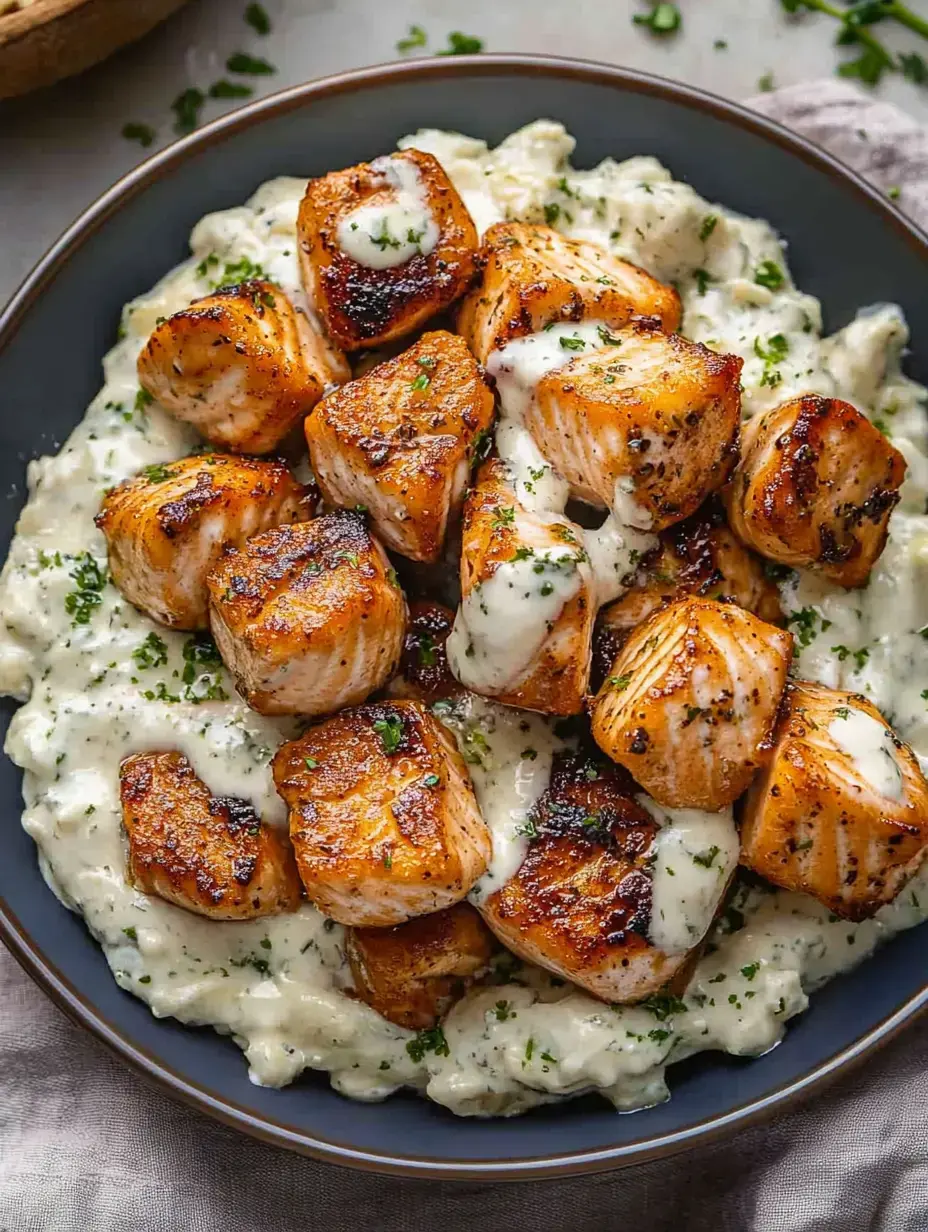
430 1040
153 652
252 66
186 108
144 134
390 731
768 274
230 89
258 19
415 38
663 19
461 45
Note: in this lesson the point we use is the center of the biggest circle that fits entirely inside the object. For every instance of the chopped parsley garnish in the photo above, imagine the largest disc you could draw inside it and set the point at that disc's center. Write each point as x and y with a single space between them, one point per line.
230 89
573 343
765 83
502 1011
664 1005
522 554
234 272
702 278
663 19
257 18
252 66
750 970
842 712
768 274
390 731
658 1035
186 108
504 516
431 780
529 754
142 399
310 763
158 473
414 39
426 651
706 858
144 134
483 443
461 45
709 223
529 1048
202 667
914 68
153 652
606 337
620 682
527 829
804 620
430 1040
90 580
131 933
421 382
552 213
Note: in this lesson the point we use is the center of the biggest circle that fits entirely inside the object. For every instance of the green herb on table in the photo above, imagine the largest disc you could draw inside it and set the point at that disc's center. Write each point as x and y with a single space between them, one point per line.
251 66
144 134
663 19
414 39
873 58
461 45
186 108
256 16
230 89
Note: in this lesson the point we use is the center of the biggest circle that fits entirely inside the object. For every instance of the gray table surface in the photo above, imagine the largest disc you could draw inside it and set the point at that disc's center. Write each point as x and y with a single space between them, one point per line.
61 147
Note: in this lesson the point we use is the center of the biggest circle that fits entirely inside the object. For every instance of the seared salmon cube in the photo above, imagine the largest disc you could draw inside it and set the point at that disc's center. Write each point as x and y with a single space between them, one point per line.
400 441
841 811
523 631
208 854
413 973
383 817
308 617
815 487
384 246
646 426
533 276
691 701
242 366
166 528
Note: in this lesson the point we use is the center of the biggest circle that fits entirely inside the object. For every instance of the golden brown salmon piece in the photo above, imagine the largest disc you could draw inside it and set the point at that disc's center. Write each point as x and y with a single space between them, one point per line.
400 441
698 556
413 973
309 617
841 811
690 704
533 276
209 854
580 904
815 487
242 366
383 817
524 629
166 528
403 217
424 673
653 413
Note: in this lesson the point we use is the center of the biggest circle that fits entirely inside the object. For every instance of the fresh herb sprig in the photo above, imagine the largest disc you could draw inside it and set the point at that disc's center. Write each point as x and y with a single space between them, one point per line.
854 30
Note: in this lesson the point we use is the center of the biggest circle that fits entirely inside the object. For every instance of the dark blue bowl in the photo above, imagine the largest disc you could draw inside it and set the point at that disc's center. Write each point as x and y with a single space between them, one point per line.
848 246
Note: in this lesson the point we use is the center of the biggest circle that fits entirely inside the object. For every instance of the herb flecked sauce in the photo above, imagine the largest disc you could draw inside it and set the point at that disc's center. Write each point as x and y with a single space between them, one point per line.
99 681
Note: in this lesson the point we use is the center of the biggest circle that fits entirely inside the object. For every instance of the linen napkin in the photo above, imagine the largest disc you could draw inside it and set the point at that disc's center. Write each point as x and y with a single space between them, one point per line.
87 1146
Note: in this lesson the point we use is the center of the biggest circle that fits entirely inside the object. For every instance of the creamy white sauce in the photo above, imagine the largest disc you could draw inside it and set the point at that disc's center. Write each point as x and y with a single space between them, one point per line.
693 858
871 748
502 622
383 235
277 986
509 753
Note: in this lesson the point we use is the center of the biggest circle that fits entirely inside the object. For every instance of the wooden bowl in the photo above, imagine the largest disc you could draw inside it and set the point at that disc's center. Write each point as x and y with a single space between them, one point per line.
42 41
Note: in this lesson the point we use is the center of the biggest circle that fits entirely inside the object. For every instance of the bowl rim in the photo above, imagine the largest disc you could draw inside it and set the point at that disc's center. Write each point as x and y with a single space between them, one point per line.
57 985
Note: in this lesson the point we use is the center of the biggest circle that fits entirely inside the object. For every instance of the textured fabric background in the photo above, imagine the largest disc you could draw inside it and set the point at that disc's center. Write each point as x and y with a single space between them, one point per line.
86 1146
